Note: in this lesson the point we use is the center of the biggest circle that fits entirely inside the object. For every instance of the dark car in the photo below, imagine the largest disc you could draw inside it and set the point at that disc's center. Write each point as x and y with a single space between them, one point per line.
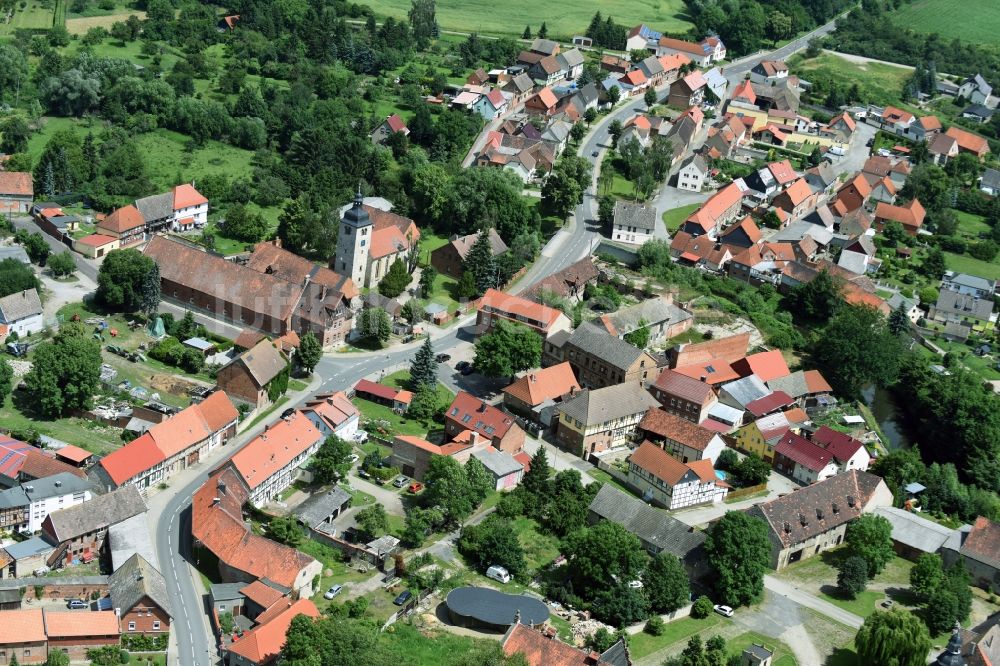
403 597
595 153
288 412
462 365
443 358
468 370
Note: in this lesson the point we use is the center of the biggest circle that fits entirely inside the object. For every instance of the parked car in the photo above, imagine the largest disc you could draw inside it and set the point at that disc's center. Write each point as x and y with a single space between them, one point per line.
635 584
77 604
468 370
415 487
462 365
288 412
353 458
400 481
723 610
333 591
443 358
403 597
498 573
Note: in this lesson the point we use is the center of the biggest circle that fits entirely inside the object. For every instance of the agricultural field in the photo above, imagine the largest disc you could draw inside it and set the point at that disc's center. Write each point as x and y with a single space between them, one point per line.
35 16
510 17
971 21
878 83
80 25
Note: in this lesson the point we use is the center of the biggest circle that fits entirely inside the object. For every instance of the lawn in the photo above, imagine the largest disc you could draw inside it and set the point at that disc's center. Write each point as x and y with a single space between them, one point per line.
147 659
409 646
782 655
970 21
965 264
643 644
333 561
971 225
604 477
539 548
878 83
674 218
509 18
79 25
399 423
33 17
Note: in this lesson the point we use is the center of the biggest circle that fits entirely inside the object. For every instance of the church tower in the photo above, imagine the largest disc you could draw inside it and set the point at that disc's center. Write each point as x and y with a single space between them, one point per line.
354 243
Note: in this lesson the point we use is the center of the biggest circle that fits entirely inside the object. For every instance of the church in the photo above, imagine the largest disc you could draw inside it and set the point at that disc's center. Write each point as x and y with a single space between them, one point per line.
370 239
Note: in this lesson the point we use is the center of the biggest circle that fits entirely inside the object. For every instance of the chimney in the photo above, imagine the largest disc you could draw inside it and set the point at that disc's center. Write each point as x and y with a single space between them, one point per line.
594 658
58 484
550 632
703 379
222 487
29 489
215 501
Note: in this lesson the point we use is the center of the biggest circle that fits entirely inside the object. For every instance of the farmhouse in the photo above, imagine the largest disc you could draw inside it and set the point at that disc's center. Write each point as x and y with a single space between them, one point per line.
662 479
21 312
599 358
181 209
248 376
681 438
16 191
269 463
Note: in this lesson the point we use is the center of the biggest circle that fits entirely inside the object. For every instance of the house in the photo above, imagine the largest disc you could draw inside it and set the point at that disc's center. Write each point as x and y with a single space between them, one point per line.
642 37
519 87
78 532
761 436
657 531
665 481
51 219
680 437
741 235
22 635
652 69
942 148
765 365
247 377
545 47
126 225
500 306
804 386
716 84
910 216
687 91
968 285
546 71
883 190
744 97
95 246
601 419
802 460
412 455
978 551
720 209
684 396
796 199
370 241
21 312
975 89
276 291
449 259
74 633
848 453
767 71
953 306
614 65
392 124
491 105
468 412
599 358
139 596
780 95
700 250
537 390
634 224
21 462
844 126
17 191
692 174
503 467
814 518
262 645
568 283
181 209
217 525
269 463
728 349
571 63
658 316
990 182
24 508
852 195
741 392
969 142
543 648
333 414
910 307
542 103
634 81
703 53
523 154
978 112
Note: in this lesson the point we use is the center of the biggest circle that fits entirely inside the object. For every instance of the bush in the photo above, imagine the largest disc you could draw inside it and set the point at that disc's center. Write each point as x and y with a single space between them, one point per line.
654 626
702 607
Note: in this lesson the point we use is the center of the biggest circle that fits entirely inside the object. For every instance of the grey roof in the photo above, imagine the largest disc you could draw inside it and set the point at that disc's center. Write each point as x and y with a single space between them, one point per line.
199 343
651 311
591 339
651 66
21 305
13 497
898 299
973 281
522 83
546 46
571 58
99 513
652 526
130 537
822 216
226 591
823 173
315 510
796 230
978 110
725 413
856 262
617 654
946 87
156 207
698 161
635 215
980 83
499 463
793 384
33 546
589 93
263 361
746 390
759 651
914 531
606 404
135 579
18 254
991 179
953 302
63 483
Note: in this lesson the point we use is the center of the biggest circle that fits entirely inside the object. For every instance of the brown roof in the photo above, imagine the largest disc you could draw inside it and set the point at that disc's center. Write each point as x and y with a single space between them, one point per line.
263 643
659 463
123 219
263 361
16 183
670 426
248 337
263 595
687 388
40 464
911 215
573 276
729 349
271 259
542 650
983 542
537 386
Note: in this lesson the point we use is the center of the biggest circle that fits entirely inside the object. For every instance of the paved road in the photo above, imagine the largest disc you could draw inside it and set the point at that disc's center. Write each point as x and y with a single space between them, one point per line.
808 600
738 70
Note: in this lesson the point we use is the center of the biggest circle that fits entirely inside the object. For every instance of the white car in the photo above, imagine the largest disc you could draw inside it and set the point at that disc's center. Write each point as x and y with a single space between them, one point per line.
635 584
723 610
353 458
333 591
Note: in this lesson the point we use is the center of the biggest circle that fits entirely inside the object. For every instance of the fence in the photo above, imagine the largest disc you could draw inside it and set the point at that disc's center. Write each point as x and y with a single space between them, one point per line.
407 608
744 492
353 550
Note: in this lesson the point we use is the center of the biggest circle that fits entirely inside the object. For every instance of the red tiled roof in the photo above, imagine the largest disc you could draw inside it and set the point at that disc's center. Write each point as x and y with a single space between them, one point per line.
74 624
541 650
547 97
218 411
132 459
17 457
395 123
968 141
769 403
729 349
782 171
16 183
766 365
911 215
333 408
248 338
474 414
24 625
745 90
710 372
717 204
674 383
520 307
983 542
73 453
378 390
840 445
802 451
659 463
930 123
96 240
185 196
681 45
551 383
747 226
263 643
263 595
892 114
634 78
123 219
673 61
275 448
665 424
462 442
846 119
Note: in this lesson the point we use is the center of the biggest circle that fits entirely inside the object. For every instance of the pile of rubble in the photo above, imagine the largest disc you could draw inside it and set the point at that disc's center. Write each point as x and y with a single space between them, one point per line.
584 629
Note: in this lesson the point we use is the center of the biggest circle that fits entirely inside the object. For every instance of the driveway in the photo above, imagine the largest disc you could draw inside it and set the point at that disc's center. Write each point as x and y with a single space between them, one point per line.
386 496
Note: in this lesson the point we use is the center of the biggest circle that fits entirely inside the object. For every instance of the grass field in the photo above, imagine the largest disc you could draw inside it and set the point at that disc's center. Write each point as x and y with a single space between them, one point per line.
32 17
79 26
398 423
510 17
965 264
970 225
539 548
643 644
878 83
675 218
970 21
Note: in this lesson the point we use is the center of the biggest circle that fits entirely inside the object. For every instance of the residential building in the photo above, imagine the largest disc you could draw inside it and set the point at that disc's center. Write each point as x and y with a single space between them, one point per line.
727 350
524 155
396 399
17 191
597 420
684 440
319 511
568 283
95 246
181 209
692 174
802 460
247 377
634 224
975 89
687 91
642 37
125 224
663 480
969 142
270 462
684 396
171 445
762 435
721 208
990 182
942 148
22 636
814 518
78 532
768 71
138 594
505 469
956 307
468 412
51 219
601 359
796 199
25 558
538 391
765 365
700 250
497 305
658 316
542 103
333 415
848 453
413 455
743 234
33 501
393 124
21 313
370 241
261 646
979 552
21 462
717 84
703 53
449 259
910 216
570 63
491 105
804 386
968 285
217 524
74 633
978 112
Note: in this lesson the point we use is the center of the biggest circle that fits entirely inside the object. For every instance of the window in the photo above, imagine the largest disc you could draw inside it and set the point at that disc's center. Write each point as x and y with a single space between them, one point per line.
131 626
27 652
156 625
362 243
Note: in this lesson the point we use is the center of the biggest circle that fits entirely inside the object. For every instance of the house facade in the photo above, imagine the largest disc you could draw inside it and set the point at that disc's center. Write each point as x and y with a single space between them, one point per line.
269 463
247 376
496 305
597 420
21 312
634 224
679 437
469 413
17 191
663 480
600 359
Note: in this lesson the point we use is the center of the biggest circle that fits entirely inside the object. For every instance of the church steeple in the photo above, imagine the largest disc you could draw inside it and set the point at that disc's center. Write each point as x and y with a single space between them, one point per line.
952 655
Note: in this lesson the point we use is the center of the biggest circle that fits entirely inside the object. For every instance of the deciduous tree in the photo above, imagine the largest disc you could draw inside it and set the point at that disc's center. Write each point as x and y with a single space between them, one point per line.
310 351
65 373
870 538
121 278
665 583
493 542
332 461
852 576
508 349
373 520
739 551
893 638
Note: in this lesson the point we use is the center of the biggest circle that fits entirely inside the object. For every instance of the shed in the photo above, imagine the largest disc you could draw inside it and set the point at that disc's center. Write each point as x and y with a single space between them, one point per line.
202 345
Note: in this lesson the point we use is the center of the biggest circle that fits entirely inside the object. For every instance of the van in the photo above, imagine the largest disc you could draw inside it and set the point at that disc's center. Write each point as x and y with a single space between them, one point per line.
838 151
498 573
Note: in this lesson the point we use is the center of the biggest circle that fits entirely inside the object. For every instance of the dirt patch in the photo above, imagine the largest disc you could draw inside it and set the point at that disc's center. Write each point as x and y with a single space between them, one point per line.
171 384
79 26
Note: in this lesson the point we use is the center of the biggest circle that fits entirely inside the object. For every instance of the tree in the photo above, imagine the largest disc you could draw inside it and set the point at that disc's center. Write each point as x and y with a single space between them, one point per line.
536 480
448 488
35 246
373 520
649 97
770 220
508 349
493 542
245 225
423 21
934 264
285 529
665 583
425 404
427 276
62 264
423 370
927 575
857 348
605 551
620 605
893 638
702 607
332 461
527 32
15 277
413 312
870 537
374 324
395 281
108 655
121 278
899 321
481 263
577 132
615 130
739 551
852 576
561 193
54 659
817 299
310 351
752 470
640 336
614 94
930 183
543 31
65 373
14 133
6 379
480 481
466 287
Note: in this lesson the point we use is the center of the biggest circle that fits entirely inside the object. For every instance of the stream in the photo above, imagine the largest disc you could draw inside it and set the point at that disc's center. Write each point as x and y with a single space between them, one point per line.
888 416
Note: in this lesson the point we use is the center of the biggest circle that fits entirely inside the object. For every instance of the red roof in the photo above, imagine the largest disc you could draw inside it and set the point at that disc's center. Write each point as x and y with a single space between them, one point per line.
710 372
472 413
379 390
132 459
674 383
263 643
782 171
719 203
983 542
673 61
634 78
547 97
516 308
551 383
968 141
766 365
840 445
73 453
395 123
745 90
275 448
541 650
263 595
911 215
769 403
16 183
123 219
96 240
185 196
930 123
802 451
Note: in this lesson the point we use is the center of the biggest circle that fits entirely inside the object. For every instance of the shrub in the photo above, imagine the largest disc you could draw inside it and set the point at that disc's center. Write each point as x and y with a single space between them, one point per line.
702 607
654 626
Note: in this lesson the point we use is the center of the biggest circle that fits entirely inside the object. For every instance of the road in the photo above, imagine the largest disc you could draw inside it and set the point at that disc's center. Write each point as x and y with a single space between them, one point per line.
737 71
